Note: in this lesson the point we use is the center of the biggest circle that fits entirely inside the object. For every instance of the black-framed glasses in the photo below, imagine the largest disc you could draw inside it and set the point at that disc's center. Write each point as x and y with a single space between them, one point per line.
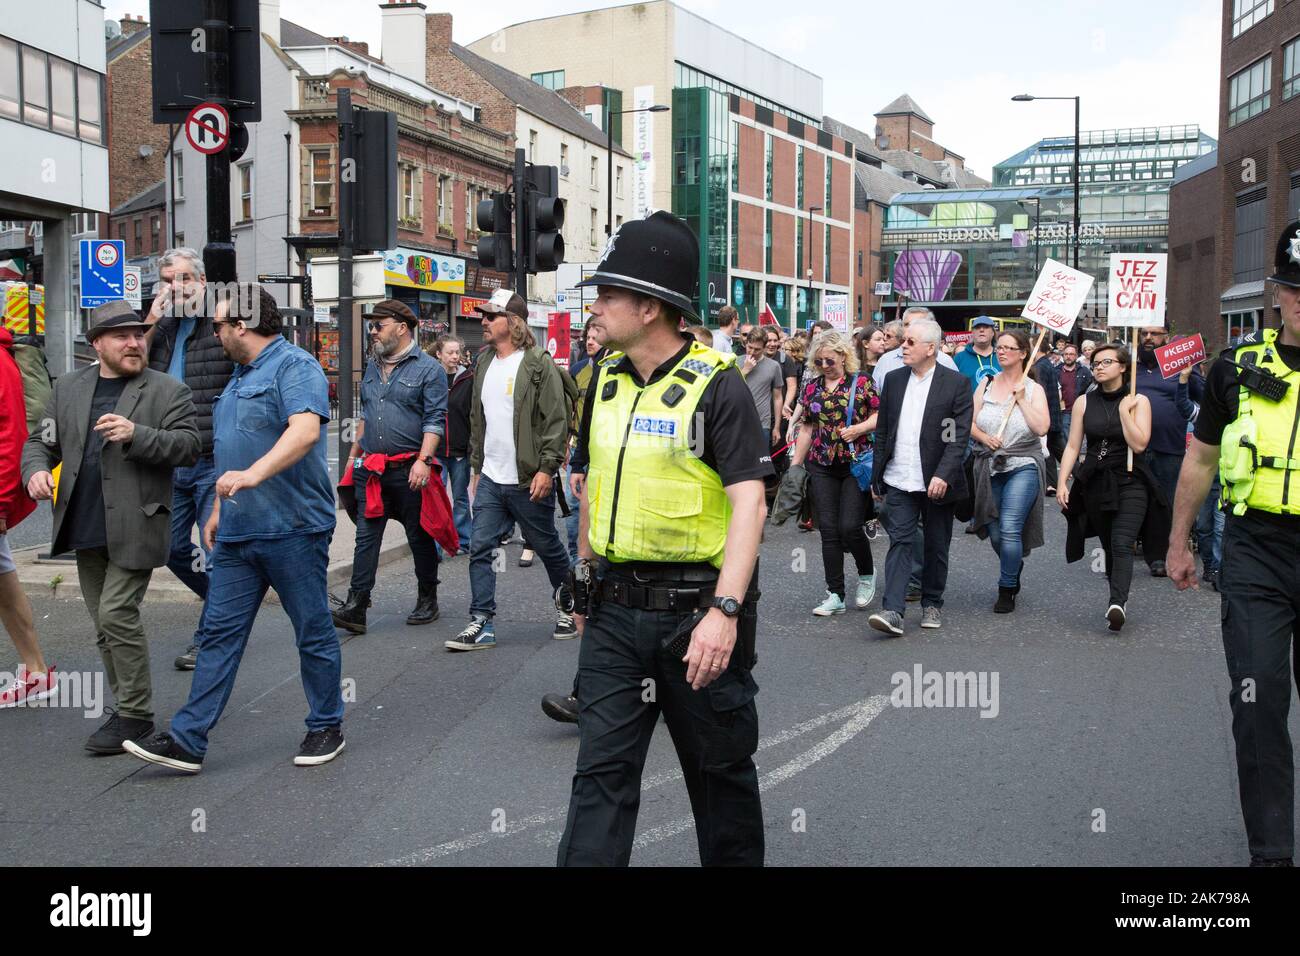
1105 363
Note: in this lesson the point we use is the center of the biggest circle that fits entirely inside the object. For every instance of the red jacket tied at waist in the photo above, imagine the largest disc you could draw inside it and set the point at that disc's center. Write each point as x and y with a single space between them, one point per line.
435 506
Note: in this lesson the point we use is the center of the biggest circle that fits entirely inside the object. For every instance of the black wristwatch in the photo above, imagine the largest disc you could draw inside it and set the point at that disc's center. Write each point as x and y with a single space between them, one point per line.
428 460
727 605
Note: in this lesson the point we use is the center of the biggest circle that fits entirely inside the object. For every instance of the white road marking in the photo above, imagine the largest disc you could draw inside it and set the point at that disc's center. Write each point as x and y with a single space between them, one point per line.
859 715
866 712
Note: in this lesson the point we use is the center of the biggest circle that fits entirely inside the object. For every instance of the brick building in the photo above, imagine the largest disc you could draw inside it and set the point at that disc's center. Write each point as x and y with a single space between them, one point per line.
137 147
1257 176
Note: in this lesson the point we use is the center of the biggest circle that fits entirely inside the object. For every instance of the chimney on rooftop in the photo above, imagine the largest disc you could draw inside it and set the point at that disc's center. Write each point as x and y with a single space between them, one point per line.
402 40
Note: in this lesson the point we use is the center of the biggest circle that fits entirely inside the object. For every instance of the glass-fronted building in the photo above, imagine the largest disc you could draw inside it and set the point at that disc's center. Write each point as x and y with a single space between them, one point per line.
964 253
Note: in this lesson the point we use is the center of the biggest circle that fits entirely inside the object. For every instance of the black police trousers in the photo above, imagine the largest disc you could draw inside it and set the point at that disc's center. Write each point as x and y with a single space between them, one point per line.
1259 581
625 679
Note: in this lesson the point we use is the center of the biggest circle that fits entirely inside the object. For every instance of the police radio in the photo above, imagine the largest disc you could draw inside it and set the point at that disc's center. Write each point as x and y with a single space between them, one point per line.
1258 380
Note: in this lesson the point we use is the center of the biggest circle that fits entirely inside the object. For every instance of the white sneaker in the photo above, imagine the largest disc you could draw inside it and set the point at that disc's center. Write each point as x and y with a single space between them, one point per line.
866 589
834 604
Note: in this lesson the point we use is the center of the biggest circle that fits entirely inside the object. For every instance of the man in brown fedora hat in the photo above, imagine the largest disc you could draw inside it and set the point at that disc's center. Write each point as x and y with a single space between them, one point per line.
119 430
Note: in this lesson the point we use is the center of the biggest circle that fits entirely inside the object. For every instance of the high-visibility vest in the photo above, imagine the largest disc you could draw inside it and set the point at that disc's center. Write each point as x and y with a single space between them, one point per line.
650 496
1258 464
15 308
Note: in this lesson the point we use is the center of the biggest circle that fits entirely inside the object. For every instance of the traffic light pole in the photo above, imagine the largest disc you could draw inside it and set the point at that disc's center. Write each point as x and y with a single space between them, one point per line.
521 224
219 253
346 198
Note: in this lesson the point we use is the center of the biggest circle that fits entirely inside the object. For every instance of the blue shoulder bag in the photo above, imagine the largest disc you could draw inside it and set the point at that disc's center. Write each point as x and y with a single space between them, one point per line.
862 464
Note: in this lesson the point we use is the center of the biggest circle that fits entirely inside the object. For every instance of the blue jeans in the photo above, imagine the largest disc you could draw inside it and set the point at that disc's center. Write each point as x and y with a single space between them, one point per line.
457 472
241 572
571 522
1209 528
496 510
1015 493
193 491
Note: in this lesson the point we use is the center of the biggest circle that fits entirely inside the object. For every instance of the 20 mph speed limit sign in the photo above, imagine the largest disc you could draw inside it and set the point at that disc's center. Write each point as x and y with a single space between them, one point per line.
208 128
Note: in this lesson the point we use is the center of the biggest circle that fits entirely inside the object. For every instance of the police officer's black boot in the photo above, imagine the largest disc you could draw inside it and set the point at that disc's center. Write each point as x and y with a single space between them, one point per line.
426 606
351 616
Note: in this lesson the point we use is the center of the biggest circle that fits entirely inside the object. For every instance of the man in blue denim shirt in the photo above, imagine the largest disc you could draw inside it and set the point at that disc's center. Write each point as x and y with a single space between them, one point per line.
403 419
273 520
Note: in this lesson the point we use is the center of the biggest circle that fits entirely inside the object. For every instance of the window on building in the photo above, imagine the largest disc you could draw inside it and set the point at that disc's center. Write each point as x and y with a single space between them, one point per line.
469 210
859 275
178 175
618 221
564 160
552 79
595 172
826 259
320 185
121 232
444 202
735 157
9 79
735 234
90 116
594 229
1249 91
532 145
767 163
1250 244
408 194
767 240
798 176
1246 13
36 88
63 97
180 240
1291 69
798 248
155 233
830 166
246 192
618 181
138 233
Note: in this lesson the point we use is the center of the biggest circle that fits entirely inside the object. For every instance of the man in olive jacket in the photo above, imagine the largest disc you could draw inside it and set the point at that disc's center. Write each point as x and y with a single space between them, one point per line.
519 427
118 428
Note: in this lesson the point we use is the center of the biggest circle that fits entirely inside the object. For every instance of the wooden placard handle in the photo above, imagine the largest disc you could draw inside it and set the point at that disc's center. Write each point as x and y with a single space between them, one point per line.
1033 355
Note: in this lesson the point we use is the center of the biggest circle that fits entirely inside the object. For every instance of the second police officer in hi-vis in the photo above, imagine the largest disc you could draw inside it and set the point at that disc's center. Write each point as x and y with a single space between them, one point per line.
673 508
1248 430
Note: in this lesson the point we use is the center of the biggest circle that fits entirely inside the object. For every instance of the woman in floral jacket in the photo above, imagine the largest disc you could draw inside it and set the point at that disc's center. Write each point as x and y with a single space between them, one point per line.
829 440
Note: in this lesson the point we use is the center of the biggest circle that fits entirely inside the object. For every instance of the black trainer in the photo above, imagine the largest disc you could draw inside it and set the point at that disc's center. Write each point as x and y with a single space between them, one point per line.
163 750
319 746
115 731
1277 861
189 660
561 707
351 615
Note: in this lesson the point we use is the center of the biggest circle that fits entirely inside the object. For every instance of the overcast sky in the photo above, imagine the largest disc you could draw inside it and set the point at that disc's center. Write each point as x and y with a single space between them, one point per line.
1135 62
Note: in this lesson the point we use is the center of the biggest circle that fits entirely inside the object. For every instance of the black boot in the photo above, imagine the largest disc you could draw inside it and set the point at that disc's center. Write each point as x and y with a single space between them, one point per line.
351 616
1006 601
426 606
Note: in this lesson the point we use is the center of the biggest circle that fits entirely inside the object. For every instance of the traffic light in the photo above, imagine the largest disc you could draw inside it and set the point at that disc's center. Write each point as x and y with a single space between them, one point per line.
374 211
495 251
543 216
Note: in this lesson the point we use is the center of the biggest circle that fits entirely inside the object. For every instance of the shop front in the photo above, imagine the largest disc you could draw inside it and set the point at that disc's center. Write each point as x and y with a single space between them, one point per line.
427 282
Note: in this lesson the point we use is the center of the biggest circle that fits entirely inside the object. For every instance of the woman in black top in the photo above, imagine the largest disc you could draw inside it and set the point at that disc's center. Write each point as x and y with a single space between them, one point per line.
1107 498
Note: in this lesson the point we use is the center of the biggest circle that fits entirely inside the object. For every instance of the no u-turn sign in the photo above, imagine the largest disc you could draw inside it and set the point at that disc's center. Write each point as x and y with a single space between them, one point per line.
207 128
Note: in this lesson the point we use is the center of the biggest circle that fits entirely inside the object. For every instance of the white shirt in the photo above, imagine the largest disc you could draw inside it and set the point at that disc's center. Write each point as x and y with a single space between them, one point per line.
499 456
894 359
722 342
904 469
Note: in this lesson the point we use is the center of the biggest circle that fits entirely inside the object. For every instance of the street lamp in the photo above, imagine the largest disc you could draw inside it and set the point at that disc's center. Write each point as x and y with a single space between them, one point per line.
1026 98
808 261
609 154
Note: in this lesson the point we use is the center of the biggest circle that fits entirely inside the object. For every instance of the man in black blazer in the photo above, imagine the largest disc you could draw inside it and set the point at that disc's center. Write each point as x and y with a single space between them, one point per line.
921 435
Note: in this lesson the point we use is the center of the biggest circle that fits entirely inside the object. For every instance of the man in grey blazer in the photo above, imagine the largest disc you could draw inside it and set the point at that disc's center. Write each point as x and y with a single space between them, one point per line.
118 428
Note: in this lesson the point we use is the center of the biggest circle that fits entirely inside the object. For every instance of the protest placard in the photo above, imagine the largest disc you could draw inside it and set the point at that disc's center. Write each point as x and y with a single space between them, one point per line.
1137 289
1057 297
1176 356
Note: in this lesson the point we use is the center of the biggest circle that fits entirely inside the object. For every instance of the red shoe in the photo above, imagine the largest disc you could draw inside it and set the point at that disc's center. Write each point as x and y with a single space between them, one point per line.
29 688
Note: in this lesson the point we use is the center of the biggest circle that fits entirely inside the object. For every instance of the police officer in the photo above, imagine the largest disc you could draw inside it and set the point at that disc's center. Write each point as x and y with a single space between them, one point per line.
673 508
1247 427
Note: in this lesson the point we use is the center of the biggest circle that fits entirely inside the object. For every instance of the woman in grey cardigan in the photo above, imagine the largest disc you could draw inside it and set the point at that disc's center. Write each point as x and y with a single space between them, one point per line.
1007 469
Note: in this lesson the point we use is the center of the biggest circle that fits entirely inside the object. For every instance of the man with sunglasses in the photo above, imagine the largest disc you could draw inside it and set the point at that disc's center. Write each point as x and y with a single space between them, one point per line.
403 419
273 517
183 344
